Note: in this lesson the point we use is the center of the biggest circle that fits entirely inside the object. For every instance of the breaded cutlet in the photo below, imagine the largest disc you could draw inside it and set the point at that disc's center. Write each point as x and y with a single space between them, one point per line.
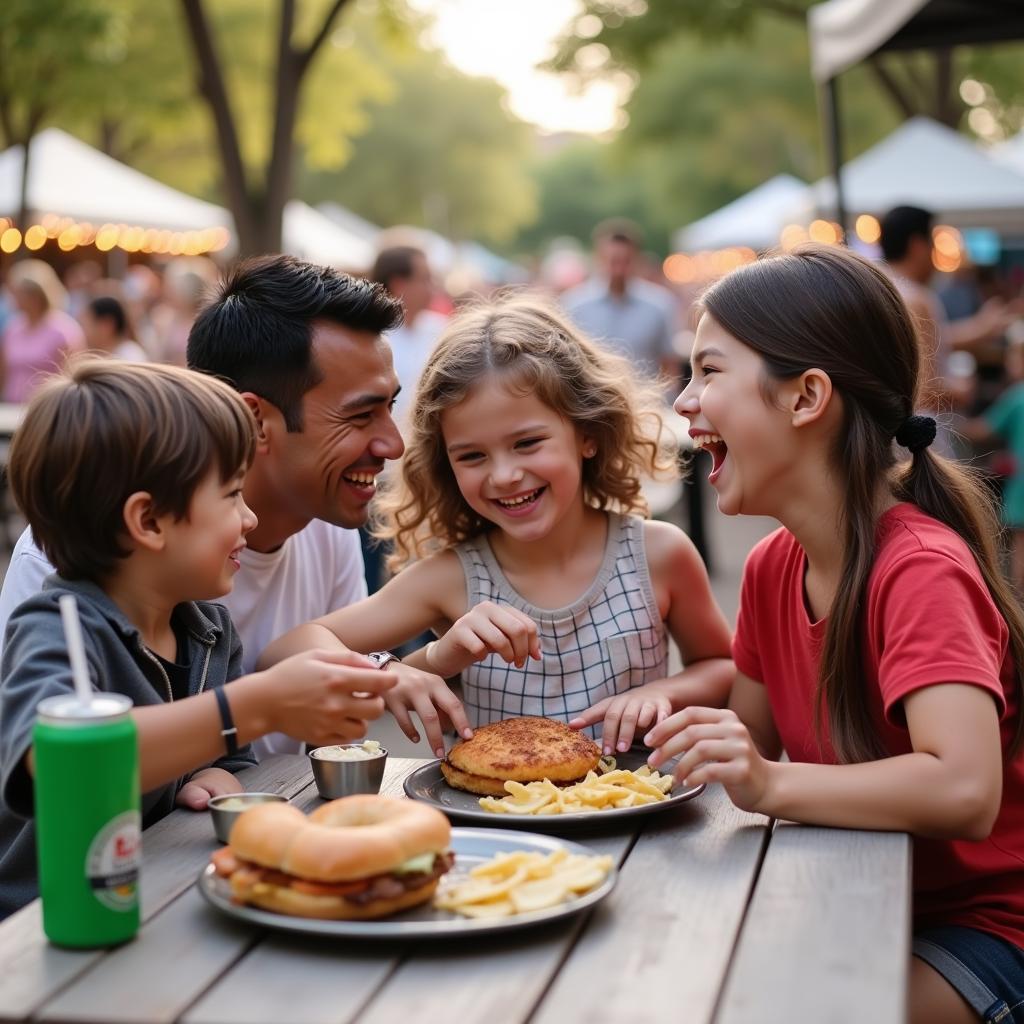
520 749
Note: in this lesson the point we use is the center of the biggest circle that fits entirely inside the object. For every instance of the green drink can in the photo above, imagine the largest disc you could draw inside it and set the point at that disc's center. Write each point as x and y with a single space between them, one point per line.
88 819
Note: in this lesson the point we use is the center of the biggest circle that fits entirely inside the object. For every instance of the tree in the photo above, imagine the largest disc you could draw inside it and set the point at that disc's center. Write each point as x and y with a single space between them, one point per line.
626 33
46 48
256 190
442 152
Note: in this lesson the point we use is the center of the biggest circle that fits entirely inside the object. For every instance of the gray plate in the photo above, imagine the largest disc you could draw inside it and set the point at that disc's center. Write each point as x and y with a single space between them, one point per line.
428 784
472 846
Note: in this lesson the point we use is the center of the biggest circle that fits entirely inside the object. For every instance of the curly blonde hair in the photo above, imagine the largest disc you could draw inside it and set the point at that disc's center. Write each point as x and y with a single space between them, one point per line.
532 348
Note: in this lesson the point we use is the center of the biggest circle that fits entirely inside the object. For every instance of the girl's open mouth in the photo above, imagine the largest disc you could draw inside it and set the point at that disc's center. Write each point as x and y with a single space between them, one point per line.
519 504
718 450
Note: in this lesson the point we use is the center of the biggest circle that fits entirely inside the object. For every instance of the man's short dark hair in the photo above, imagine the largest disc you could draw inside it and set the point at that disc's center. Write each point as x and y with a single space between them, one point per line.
619 229
106 307
257 333
899 226
395 261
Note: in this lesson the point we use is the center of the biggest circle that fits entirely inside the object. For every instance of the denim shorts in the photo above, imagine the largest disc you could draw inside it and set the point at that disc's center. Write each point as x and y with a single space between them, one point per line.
987 971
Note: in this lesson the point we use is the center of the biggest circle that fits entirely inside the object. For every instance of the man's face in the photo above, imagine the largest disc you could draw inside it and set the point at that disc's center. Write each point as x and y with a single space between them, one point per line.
618 260
328 470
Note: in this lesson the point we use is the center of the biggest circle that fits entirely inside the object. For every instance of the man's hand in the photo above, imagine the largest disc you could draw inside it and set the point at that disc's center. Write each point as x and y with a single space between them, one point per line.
196 793
428 695
322 696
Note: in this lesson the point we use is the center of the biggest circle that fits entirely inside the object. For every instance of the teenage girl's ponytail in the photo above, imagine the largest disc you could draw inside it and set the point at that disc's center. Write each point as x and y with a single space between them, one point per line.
825 307
956 496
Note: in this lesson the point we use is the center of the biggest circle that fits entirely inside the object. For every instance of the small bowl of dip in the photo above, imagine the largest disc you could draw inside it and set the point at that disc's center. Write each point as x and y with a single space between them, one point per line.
348 768
225 809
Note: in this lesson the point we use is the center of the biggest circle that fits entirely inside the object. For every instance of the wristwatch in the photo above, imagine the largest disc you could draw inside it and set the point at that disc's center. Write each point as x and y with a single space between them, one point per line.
383 658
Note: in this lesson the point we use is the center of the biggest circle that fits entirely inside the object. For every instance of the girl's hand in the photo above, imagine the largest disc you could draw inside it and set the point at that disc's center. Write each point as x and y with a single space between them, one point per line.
716 747
623 714
196 793
487 628
428 695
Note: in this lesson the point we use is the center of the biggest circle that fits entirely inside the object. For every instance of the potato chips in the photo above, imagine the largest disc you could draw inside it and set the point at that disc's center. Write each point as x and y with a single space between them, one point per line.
522 882
615 789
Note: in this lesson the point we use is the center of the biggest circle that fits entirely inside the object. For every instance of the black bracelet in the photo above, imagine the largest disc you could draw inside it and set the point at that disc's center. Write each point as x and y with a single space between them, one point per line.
229 732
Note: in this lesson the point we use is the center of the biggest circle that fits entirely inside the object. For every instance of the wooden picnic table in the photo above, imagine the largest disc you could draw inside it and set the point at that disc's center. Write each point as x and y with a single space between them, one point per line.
718 916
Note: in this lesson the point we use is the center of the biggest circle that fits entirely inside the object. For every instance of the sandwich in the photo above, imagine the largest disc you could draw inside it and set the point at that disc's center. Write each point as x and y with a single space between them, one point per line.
519 750
357 858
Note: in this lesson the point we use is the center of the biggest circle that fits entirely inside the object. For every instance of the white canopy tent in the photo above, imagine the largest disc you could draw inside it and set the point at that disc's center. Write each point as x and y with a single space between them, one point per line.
754 219
924 163
71 179
845 32
307 233
1010 153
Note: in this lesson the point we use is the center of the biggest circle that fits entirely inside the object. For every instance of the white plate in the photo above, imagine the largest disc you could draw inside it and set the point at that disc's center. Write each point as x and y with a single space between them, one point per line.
429 785
472 846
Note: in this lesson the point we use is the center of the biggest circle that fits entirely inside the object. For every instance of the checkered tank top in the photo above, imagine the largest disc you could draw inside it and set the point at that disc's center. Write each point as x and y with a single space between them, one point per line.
608 640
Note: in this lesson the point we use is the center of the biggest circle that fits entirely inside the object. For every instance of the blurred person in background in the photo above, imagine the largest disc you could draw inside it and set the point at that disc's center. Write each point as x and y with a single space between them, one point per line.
80 280
618 308
907 246
141 290
187 282
404 271
40 335
106 327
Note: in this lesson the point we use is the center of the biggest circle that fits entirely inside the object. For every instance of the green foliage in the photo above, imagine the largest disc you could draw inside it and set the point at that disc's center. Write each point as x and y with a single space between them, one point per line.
442 153
46 54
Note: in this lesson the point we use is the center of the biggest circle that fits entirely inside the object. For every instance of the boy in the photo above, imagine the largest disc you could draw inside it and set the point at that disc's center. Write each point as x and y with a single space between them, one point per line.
130 477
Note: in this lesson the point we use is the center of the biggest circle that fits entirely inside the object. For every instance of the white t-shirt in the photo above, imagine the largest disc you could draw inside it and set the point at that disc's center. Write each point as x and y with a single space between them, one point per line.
316 570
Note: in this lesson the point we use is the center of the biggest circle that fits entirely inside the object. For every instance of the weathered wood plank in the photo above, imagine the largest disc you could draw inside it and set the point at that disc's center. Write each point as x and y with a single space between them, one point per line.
175 957
486 980
31 970
658 949
827 936
297 979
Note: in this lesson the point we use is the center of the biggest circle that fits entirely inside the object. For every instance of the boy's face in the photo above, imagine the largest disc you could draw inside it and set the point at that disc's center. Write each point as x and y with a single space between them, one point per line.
329 470
206 544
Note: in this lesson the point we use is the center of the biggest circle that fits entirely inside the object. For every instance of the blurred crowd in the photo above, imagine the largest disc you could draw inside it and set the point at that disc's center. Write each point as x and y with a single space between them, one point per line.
971 324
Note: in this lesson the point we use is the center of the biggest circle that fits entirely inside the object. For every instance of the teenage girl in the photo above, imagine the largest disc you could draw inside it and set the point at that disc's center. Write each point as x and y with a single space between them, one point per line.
517 526
877 643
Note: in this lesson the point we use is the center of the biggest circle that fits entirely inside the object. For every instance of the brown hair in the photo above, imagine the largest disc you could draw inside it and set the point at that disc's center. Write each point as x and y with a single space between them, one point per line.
102 430
825 307
535 350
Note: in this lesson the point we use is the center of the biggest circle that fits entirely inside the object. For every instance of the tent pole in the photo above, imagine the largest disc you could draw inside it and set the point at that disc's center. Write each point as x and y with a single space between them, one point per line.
835 148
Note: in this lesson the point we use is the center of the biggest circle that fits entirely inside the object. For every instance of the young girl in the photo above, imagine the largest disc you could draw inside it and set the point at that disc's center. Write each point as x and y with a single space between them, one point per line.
877 643
517 524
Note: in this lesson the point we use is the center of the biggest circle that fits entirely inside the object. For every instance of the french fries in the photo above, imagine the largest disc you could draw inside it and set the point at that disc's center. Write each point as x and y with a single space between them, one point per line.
615 789
522 882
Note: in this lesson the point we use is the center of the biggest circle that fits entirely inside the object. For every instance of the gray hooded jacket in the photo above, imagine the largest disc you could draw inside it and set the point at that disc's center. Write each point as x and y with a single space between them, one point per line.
35 665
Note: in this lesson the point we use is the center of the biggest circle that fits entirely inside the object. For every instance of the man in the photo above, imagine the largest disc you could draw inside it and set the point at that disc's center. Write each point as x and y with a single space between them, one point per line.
404 271
618 308
302 344
907 245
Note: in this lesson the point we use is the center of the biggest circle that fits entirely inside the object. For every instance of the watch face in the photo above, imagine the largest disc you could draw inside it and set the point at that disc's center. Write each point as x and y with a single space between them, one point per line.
382 658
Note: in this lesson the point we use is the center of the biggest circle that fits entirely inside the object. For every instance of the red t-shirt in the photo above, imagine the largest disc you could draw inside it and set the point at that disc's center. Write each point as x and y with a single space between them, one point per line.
929 620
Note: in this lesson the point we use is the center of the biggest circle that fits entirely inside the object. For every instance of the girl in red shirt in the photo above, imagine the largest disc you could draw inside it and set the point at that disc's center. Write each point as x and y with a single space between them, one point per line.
877 642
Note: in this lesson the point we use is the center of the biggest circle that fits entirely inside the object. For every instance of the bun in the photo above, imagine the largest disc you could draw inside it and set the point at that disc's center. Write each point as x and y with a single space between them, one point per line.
522 750
479 784
344 840
284 900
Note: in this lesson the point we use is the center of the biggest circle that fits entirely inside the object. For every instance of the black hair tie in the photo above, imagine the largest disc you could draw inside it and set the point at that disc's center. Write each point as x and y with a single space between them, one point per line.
916 433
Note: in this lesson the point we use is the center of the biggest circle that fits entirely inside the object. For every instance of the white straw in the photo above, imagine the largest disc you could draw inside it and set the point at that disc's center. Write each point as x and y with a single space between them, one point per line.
76 649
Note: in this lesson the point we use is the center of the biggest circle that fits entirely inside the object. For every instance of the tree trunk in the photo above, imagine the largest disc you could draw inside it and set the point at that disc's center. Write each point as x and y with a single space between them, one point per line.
258 209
